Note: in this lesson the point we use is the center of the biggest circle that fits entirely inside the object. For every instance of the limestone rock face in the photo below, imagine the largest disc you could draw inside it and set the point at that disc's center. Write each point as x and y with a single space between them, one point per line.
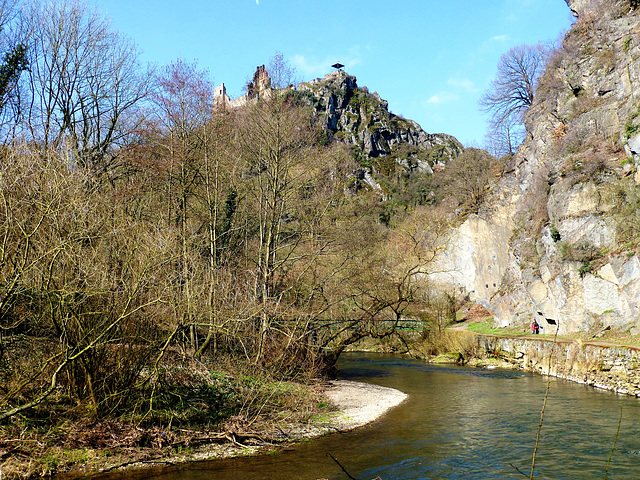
579 7
558 234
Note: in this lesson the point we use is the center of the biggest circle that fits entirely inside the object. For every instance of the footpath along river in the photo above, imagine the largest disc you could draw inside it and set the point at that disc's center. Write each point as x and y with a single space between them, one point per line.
458 422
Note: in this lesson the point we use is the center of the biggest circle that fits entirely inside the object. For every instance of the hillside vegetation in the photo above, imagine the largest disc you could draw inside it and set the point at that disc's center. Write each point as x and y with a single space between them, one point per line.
168 266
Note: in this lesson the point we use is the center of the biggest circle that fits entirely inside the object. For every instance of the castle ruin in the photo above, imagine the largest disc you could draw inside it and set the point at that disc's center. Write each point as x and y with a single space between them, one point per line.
259 87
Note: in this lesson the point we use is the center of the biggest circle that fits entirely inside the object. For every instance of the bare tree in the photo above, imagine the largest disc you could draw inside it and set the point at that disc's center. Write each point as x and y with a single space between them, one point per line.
84 79
503 139
467 178
14 61
386 279
511 92
276 142
79 276
280 71
184 104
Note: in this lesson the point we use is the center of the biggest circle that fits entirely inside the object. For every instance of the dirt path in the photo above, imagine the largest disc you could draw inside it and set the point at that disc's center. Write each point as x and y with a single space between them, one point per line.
604 338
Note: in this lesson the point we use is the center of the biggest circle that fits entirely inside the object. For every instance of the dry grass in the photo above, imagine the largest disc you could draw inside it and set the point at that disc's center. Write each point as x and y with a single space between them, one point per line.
476 313
448 341
196 403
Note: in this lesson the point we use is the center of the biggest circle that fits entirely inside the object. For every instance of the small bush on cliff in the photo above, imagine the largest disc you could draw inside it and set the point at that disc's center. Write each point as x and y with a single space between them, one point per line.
583 252
532 218
467 179
627 212
586 267
588 158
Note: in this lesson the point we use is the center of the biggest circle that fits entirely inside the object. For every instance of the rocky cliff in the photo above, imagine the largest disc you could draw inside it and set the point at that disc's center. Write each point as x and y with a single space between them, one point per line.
382 141
559 236
354 116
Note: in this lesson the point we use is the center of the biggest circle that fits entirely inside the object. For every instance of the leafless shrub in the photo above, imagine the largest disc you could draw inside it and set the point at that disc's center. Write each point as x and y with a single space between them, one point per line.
589 158
512 92
559 132
627 214
532 217
580 252
448 341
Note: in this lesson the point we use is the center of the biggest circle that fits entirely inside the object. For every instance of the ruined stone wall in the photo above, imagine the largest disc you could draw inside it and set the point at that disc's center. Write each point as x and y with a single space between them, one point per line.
259 87
613 368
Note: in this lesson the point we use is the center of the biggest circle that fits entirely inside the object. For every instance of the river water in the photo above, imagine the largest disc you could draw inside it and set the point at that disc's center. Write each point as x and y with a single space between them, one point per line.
458 423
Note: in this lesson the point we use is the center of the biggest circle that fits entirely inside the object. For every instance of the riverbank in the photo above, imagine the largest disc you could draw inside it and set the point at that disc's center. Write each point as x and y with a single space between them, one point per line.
609 367
349 405
360 403
607 359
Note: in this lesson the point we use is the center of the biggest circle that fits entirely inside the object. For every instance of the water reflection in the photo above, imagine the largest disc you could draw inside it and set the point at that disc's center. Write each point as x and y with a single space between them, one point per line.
457 423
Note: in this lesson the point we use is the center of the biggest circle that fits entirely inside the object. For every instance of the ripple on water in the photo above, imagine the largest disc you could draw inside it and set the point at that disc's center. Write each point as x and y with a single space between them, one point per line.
461 423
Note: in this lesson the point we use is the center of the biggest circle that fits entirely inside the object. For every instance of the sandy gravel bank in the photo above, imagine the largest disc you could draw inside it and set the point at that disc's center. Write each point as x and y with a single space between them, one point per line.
360 403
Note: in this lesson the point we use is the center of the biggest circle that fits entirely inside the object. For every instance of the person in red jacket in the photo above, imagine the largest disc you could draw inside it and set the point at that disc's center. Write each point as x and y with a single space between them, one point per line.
535 327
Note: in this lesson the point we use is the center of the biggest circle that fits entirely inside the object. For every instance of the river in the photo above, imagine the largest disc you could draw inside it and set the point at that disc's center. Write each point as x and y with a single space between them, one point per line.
458 423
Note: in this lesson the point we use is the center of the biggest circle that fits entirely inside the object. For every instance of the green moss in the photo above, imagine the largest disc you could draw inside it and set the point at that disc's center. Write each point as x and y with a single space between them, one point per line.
630 129
449 357
586 267
358 99
385 165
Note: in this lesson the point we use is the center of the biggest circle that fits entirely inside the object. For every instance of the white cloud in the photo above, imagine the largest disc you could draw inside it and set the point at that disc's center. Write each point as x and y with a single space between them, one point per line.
311 67
442 97
499 38
462 84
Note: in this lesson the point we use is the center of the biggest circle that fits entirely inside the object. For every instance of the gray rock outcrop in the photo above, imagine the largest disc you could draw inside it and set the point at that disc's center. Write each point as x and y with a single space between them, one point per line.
559 235
357 117
607 367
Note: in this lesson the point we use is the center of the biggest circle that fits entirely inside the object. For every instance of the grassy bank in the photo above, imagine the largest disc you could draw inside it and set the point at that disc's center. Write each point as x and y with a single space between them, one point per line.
198 411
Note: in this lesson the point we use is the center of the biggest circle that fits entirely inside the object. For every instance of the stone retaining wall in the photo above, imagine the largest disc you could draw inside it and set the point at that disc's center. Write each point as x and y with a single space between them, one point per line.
612 368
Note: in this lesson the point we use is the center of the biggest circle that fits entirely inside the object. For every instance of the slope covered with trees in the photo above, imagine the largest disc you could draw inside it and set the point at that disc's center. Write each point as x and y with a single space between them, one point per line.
168 263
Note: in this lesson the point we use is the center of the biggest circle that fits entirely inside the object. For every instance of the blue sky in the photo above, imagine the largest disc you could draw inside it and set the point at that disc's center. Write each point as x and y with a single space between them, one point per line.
430 59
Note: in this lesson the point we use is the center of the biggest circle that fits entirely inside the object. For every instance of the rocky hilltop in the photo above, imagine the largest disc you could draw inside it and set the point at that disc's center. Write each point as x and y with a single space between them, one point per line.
383 142
559 236
362 119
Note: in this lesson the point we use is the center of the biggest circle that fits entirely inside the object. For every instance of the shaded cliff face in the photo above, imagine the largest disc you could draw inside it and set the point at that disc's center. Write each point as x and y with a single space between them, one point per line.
362 119
559 235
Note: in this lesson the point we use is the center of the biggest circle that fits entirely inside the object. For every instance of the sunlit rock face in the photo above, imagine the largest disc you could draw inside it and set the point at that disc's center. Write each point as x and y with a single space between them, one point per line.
582 8
557 234
357 117
578 7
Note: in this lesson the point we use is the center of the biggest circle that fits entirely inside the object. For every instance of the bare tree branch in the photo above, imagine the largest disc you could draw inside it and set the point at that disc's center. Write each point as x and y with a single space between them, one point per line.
512 91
